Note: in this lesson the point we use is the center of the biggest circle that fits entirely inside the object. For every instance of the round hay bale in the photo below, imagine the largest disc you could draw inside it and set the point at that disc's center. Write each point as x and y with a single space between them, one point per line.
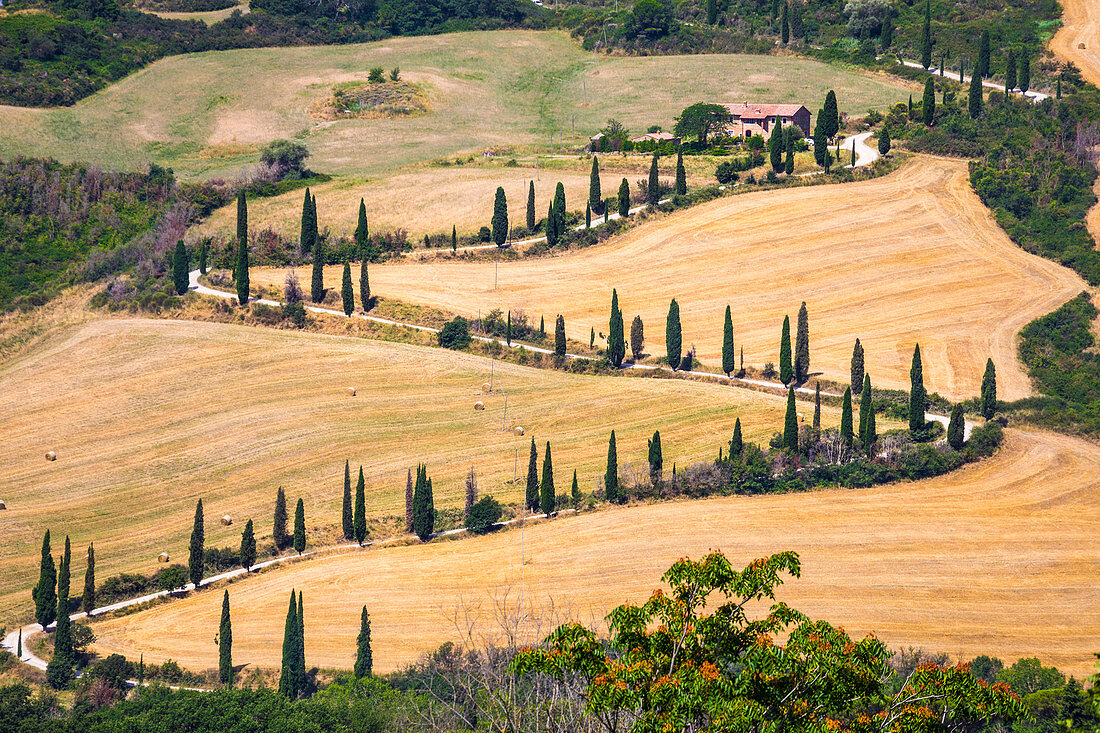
51 456
163 557
486 387
518 430
479 405
1080 45
351 391
226 520
3 505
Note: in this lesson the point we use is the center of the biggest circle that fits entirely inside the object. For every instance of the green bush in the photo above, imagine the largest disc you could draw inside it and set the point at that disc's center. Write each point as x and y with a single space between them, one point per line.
483 515
455 334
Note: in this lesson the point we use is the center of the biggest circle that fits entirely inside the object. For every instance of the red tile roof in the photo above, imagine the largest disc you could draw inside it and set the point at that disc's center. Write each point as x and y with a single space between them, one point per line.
757 111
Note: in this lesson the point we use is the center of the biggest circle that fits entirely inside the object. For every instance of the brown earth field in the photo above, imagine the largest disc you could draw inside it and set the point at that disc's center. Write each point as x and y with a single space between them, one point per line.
998 558
147 416
911 257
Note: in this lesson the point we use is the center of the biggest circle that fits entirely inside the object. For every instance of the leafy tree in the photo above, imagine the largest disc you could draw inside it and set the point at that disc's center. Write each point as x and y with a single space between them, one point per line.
346 515
195 561
729 354
248 546
846 417
611 475
867 431
926 37
241 270
180 275
225 644
559 337
500 217
832 115
802 346
857 364
423 506
637 338
956 432
359 515
653 189
699 120
989 390
616 344
656 460
928 103
87 601
364 658
595 197
483 515
531 207
575 491
884 141
776 146
533 479
347 292
974 100
917 396
681 175
1028 676
786 369
1024 76
673 335
546 488
982 67
669 665
278 532
790 424
737 443
455 334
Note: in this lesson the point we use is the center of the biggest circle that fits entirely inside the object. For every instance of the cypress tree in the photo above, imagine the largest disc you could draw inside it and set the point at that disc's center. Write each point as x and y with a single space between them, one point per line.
737 444
712 12
857 365
1058 88
786 369
821 142
500 217
532 502
653 190
346 516
288 684
1010 72
204 255
910 106
681 174
347 292
364 659
729 354
917 395
776 144
866 414
248 546
853 153
225 645
673 335
241 270
87 601
362 231
180 276
784 24
300 665
817 411
63 576
595 196
989 390
45 592
559 207
955 433
1024 82
982 67
317 283
624 199
409 504
59 671
884 141
305 238
551 226
637 338
278 532
788 162
592 338
611 475
546 489
300 527
575 491
423 505
559 337
141 670
846 417
359 519
802 346
542 325
655 458
588 216
886 34
195 561
530 207
454 239
19 645
926 36
790 424
832 115
362 241
616 343
928 104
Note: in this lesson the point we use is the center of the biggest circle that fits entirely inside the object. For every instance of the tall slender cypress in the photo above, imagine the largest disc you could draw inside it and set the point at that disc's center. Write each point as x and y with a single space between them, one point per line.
551 226
595 195
248 546
974 100
364 658
300 527
624 199
1024 75
846 417
63 576
802 346
423 505
653 191
532 498
681 174
989 390
359 517
241 270
955 428
917 395
288 684
866 412
926 36
59 671
180 266
301 644
611 474
856 379
928 102
317 282
575 492
588 216
776 144
821 142
737 443
655 458
729 353
225 644
790 424
278 531
1010 71
832 115
817 411
87 600
531 207
500 217
204 255
45 592
673 335
409 502
982 67
347 292
785 23
788 161
559 337
786 369
198 538
346 516
559 206
305 238
616 339
547 497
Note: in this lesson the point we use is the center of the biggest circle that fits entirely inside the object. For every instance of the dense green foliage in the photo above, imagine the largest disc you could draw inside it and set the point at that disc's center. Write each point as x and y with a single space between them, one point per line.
455 334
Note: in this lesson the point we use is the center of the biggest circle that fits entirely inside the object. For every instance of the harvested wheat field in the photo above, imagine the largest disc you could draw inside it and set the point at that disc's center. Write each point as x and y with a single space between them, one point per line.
997 558
1080 27
910 257
147 416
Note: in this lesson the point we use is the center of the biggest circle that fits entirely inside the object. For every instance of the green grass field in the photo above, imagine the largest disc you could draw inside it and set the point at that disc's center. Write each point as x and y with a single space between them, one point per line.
206 114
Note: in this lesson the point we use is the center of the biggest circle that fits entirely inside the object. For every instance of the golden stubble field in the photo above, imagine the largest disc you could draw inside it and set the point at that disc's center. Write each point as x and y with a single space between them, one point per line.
147 416
911 257
1080 27
998 558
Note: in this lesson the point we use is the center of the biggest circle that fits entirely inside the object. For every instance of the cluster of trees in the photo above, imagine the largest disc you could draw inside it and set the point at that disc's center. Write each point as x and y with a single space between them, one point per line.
541 495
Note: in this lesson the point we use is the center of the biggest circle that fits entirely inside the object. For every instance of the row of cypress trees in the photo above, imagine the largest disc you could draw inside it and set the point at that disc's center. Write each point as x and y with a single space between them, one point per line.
541 495
52 605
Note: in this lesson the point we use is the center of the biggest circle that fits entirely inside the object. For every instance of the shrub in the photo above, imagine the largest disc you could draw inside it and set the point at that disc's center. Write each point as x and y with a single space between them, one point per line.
376 75
295 313
483 515
984 440
171 577
455 334
726 172
285 155
484 234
